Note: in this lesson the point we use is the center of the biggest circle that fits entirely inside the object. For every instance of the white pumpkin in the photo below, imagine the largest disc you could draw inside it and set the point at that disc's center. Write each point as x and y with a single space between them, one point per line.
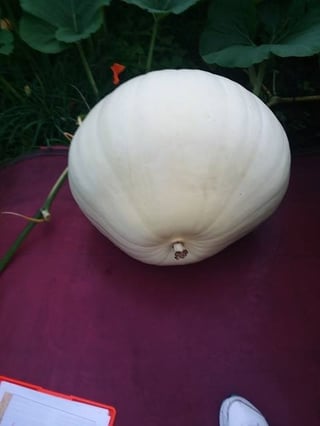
175 165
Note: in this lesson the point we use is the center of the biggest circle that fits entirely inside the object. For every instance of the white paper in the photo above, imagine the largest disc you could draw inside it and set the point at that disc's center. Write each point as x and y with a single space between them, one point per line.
28 407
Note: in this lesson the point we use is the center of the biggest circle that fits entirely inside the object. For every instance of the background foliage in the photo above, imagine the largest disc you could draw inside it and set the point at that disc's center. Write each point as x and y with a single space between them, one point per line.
55 58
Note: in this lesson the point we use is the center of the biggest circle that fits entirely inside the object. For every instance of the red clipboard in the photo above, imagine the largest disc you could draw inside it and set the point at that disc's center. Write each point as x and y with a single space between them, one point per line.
112 411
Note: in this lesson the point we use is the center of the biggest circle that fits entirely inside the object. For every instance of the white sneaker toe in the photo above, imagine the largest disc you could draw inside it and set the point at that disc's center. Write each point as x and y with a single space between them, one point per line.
237 411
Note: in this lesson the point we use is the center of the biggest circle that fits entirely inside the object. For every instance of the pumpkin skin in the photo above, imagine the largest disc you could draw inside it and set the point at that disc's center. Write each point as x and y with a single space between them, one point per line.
175 165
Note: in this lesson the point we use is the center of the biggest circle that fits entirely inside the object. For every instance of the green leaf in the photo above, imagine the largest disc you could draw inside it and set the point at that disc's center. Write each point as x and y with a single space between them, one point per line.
302 36
287 28
228 39
40 35
163 6
271 15
69 36
238 56
49 26
6 42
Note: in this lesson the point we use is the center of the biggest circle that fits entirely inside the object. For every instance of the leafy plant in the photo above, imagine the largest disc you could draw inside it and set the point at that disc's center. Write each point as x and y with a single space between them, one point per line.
33 112
52 26
245 33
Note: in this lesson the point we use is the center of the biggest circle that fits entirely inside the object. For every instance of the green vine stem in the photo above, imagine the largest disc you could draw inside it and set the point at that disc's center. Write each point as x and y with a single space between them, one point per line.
42 213
88 70
156 19
256 77
152 42
274 100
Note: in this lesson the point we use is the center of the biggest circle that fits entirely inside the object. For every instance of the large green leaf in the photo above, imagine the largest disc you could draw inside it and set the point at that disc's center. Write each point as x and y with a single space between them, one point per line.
50 25
163 6
6 42
229 36
40 35
240 34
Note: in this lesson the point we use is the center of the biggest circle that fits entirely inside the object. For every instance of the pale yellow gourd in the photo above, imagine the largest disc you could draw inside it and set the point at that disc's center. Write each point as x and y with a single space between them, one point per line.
175 165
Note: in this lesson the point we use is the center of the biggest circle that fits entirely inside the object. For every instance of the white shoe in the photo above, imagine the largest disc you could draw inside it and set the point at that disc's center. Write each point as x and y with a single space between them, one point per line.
237 411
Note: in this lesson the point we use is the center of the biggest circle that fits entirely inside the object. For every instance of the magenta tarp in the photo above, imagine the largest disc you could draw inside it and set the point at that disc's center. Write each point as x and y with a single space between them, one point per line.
164 345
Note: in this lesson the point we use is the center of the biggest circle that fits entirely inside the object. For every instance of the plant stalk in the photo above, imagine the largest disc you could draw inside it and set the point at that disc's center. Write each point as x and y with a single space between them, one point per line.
252 75
88 70
155 28
274 100
256 77
42 213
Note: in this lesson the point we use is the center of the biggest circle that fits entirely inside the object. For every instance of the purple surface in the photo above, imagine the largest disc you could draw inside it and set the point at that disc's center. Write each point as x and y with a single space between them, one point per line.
164 345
